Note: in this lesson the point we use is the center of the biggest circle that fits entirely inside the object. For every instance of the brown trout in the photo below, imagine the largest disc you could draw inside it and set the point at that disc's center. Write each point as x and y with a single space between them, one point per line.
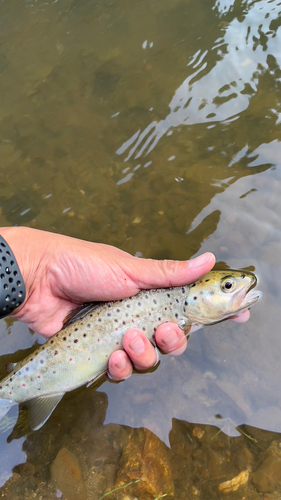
79 353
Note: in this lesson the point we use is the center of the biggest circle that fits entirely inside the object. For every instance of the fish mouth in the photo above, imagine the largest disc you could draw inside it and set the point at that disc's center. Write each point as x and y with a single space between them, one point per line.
250 297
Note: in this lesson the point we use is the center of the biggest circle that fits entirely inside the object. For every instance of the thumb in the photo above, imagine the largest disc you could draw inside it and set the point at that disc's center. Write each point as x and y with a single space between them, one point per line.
148 273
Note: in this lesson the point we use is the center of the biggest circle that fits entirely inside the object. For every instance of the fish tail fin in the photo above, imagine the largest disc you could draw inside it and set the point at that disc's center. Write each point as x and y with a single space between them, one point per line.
5 405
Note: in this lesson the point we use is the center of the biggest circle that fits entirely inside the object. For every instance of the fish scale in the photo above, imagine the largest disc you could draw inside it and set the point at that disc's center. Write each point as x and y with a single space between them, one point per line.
79 353
83 347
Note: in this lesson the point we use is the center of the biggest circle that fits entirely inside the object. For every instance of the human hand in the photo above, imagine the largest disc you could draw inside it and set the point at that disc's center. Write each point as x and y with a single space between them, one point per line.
61 273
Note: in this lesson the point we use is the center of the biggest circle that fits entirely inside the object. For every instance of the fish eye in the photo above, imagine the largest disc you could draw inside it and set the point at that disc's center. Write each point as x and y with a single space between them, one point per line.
228 284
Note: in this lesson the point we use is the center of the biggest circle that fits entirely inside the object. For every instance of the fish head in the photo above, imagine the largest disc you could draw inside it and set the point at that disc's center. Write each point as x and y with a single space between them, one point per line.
220 295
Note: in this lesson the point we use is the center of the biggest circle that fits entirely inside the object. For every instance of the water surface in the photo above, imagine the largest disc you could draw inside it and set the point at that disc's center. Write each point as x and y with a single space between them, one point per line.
153 126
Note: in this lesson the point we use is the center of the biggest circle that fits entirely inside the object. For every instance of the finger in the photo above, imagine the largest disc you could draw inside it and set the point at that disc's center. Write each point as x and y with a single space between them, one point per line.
242 317
140 351
170 339
119 366
149 273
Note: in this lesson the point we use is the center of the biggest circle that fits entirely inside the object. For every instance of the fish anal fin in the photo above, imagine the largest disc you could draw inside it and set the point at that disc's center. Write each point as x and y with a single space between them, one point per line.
79 313
41 408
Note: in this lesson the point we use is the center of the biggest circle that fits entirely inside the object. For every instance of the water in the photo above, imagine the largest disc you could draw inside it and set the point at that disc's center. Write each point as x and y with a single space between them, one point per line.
153 126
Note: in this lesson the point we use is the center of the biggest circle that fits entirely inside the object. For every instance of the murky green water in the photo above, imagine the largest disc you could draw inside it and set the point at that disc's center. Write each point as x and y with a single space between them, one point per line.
154 126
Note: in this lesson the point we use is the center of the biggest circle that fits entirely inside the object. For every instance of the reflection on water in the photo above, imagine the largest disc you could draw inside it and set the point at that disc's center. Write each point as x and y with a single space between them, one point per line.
222 77
153 126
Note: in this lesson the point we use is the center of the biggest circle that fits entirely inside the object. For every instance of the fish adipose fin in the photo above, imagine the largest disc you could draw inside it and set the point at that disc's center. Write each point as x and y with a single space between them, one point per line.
79 313
10 367
40 409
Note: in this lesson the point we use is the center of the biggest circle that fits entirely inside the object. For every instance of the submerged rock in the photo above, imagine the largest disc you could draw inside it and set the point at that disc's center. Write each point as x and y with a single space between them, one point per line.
67 476
267 476
145 459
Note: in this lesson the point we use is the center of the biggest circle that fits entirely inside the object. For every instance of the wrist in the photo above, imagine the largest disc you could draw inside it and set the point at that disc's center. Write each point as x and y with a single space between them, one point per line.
12 286
22 242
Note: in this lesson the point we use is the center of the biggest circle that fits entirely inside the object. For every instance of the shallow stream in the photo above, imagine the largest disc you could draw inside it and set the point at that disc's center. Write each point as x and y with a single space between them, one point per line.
154 126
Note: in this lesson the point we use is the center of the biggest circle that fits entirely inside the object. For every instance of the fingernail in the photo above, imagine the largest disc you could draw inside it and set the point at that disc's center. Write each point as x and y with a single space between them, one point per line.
121 363
137 345
201 260
170 338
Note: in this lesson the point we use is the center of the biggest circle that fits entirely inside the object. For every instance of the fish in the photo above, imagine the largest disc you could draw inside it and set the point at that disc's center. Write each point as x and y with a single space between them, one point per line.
78 354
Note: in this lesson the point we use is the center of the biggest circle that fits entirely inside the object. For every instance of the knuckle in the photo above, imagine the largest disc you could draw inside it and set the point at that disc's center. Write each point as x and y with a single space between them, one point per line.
168 268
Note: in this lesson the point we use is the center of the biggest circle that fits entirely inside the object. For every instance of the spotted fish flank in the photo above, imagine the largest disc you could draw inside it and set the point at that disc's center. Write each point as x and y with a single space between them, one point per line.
79 353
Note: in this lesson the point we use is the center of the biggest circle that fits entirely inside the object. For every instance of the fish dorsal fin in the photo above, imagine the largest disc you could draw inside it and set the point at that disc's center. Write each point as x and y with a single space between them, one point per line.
40 409
79 313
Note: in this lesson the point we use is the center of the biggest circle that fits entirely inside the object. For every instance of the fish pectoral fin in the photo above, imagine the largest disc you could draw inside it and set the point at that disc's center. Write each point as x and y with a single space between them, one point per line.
184 325
40 409
95 379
